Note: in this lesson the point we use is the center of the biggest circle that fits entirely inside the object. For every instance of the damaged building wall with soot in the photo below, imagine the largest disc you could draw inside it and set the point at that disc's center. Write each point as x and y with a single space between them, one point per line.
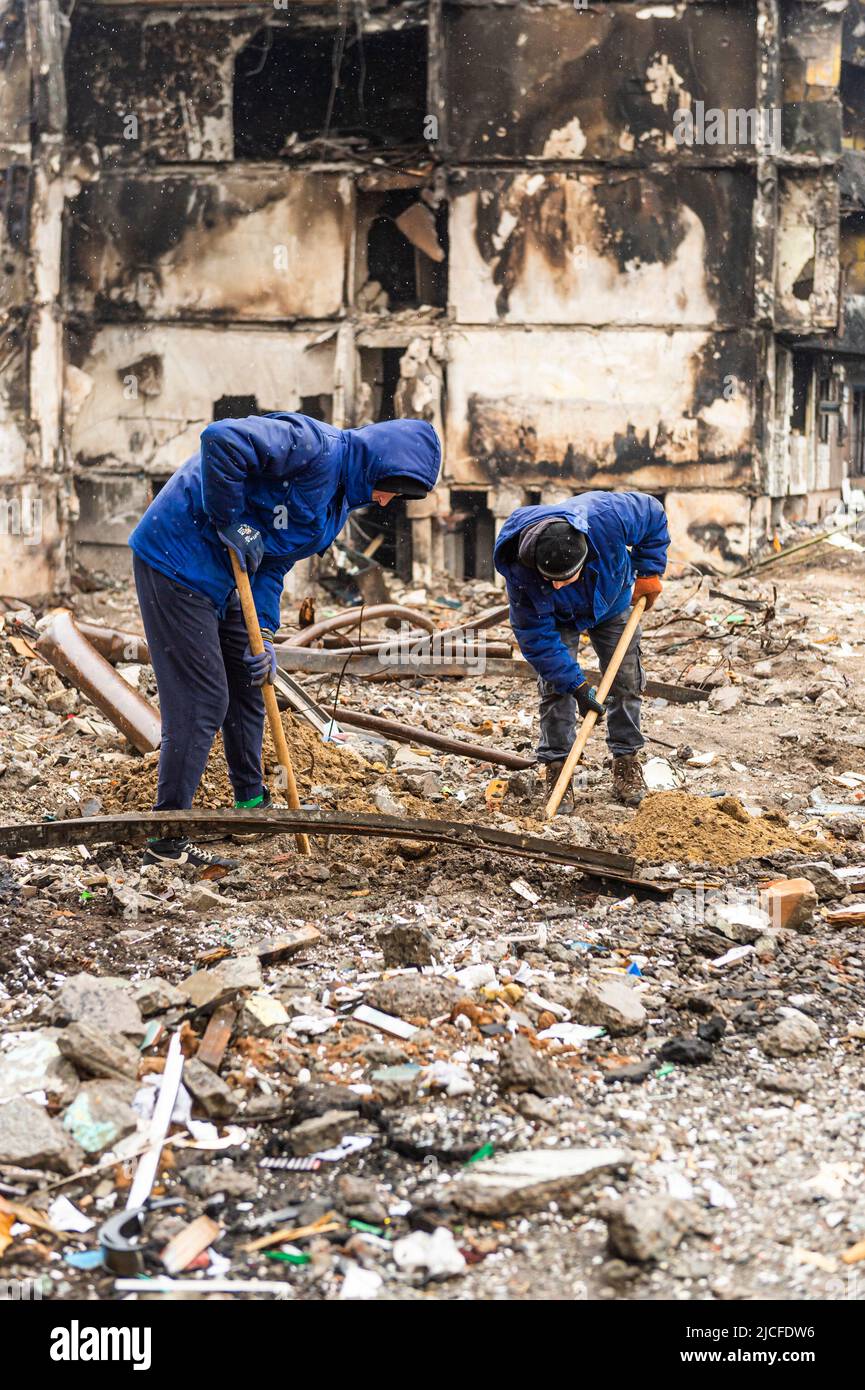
599 245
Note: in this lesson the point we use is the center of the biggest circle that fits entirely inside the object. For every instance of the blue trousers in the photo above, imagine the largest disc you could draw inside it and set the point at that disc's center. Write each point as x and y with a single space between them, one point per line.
558 712
203 685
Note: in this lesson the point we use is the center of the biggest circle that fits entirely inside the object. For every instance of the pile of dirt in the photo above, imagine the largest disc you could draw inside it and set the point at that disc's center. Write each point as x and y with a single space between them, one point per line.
133 787
676 826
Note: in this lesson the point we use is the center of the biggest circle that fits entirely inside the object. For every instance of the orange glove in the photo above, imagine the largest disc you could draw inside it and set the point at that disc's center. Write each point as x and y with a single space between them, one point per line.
647 586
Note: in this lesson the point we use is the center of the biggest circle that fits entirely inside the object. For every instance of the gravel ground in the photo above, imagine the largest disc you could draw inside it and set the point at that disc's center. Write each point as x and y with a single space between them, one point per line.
736 1168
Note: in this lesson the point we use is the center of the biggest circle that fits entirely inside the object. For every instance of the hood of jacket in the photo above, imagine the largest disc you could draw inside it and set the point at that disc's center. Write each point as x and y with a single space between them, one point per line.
373 452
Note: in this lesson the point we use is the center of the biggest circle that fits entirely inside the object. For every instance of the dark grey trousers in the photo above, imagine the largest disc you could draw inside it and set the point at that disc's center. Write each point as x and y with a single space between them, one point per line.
203 687
558 712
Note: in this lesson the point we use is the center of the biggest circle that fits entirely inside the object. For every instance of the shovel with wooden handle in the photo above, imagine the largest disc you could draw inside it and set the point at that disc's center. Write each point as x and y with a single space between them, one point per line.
277 732
591 718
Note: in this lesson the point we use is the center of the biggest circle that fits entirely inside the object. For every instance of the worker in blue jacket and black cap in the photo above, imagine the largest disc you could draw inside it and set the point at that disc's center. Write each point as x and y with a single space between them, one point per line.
273 489
577 567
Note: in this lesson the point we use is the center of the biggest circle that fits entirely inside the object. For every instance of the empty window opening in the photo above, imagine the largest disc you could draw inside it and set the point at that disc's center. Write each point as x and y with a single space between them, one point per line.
319 407
379 372
472 520
402 251
293 91
235 407
803 371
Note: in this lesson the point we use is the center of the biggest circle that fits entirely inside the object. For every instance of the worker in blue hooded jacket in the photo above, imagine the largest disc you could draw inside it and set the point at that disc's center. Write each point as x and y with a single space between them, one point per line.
577 567
273 489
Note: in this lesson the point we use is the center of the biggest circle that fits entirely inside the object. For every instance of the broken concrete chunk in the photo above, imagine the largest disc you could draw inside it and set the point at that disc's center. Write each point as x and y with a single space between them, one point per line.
212 1179
526 1181
286 944
101 1114
208 988
262 1015
828 885
97 1053
790 1037
322 1132
611 1005
406 945
521 1068
649 1227
102 1002
155 996
30 1138
724 699
414 996
216 1099
35 1063
204 899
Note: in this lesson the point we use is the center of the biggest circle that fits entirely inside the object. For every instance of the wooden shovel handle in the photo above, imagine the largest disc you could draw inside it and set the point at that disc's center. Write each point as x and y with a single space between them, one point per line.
277 732
591 718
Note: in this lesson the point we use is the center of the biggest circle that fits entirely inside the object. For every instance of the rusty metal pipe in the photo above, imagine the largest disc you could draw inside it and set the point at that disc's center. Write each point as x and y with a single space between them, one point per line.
353 616
409 733
65 646
115 644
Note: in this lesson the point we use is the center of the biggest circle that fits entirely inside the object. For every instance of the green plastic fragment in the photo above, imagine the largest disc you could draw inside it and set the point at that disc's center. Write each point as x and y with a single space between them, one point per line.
365 1226
287 1257
665 1070
85 896
486 1151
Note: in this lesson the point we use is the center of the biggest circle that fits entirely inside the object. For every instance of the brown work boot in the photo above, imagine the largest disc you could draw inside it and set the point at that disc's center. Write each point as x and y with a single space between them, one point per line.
552 773
628 785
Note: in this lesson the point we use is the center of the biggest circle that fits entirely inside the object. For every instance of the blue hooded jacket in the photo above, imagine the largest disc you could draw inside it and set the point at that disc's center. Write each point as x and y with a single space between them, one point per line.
627 535
293 478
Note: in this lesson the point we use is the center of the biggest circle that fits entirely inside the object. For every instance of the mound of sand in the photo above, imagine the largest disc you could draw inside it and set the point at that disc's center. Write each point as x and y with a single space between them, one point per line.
133 788
714 830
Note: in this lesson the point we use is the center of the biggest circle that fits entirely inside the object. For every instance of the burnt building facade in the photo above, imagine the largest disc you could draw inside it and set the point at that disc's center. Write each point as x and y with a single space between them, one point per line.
597 245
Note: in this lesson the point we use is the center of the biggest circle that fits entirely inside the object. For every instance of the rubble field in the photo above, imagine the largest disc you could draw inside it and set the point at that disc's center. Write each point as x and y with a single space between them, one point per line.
412 1072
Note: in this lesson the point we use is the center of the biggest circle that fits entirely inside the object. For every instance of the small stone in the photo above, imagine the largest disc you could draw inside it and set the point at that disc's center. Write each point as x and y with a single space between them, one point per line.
101 1114
103 1002
406 945
687 1052
724 699
212 1179
323 1132
790 1037
647 1228
97 1053
828 886
29 1138
611 1005
527 1181
216 1099
713 1029
385 802
155 996
521 1068
204 899
209 988
784 1085
632 1072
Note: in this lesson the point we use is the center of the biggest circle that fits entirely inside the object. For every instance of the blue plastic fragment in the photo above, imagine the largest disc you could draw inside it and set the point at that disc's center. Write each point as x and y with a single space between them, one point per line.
634 969
84 1259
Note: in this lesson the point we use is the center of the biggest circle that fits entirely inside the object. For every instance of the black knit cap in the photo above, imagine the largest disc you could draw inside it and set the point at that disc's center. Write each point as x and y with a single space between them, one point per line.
560 551
401 485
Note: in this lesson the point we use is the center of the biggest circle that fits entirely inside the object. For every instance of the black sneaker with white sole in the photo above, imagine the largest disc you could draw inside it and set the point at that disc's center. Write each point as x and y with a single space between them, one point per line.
176 852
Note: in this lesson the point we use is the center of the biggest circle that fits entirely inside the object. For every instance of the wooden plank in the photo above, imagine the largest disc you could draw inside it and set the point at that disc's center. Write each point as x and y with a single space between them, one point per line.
188 1244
